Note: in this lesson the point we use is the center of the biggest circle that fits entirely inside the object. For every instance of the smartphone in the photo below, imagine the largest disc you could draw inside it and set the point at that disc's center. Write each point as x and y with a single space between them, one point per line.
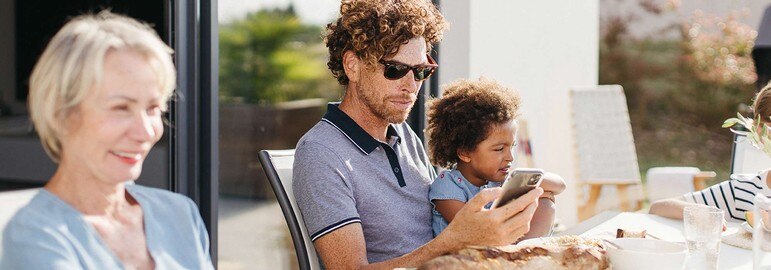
519 182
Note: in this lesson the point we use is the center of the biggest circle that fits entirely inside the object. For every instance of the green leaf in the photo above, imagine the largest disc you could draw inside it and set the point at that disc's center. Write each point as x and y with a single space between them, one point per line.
730 122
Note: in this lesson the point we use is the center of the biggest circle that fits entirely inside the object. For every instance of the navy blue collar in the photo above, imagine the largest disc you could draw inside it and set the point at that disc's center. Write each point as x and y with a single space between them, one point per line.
353 131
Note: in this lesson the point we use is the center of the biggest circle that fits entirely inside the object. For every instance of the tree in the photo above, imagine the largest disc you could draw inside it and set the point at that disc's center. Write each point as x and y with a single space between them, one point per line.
270 56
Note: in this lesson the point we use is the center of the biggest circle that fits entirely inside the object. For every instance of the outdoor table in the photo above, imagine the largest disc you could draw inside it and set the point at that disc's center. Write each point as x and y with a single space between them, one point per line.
604 225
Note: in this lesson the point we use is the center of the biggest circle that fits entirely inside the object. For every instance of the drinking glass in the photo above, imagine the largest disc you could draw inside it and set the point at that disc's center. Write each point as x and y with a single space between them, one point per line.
761 235
703 226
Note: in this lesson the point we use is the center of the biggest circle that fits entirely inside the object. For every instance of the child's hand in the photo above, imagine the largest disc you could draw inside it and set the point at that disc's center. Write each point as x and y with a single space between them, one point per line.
548 195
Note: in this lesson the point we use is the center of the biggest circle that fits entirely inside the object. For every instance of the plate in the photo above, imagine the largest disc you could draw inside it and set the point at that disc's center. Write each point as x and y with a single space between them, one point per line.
554 240
746 227
535 241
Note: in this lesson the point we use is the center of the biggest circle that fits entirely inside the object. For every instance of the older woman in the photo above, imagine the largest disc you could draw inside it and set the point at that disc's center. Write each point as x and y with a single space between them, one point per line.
96 98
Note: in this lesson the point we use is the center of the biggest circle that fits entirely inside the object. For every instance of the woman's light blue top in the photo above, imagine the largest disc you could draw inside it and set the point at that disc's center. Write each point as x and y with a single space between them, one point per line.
451 185
50 234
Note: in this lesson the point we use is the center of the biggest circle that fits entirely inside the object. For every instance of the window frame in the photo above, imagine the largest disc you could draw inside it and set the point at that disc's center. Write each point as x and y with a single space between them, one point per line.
194 113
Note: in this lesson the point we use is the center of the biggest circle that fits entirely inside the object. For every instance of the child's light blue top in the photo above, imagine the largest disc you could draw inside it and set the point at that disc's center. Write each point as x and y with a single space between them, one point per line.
450 185
50 234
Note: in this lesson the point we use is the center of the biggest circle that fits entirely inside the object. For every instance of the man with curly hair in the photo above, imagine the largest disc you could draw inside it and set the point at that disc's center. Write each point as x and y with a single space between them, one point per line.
361 175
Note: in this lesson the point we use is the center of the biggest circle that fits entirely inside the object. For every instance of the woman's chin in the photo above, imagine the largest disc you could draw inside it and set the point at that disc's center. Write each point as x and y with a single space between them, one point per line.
127 175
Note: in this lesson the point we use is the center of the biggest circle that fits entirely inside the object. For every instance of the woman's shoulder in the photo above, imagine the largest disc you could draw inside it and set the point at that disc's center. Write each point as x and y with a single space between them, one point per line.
44 208
43 219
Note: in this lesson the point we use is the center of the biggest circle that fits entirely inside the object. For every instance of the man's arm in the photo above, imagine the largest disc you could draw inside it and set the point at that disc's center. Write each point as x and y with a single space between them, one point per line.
345 247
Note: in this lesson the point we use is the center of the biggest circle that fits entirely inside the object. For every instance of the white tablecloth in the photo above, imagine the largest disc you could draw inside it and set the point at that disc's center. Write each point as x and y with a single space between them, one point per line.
671 230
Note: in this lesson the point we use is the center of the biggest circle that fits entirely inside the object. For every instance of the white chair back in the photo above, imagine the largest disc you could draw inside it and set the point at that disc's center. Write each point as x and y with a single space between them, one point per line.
669 182
747 158
278 168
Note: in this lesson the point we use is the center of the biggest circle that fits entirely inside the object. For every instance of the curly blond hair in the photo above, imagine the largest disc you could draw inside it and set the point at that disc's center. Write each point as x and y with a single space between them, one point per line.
374 29
762 104
464 116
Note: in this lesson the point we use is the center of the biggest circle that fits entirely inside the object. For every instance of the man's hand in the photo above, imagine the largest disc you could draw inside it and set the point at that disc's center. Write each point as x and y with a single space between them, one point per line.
474 225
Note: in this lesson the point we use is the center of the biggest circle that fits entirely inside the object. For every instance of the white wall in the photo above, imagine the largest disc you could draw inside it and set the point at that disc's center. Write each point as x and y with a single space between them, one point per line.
541 49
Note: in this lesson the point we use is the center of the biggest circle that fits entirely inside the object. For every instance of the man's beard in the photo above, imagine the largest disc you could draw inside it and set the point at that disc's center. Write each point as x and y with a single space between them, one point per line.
380 107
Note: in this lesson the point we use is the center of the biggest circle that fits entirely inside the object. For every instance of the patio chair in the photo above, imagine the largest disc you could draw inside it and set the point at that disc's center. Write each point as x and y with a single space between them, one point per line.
604 149
747 158
668 182
278 168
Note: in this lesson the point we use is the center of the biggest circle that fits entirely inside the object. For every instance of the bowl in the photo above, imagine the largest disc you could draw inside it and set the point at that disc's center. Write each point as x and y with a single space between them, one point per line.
643 253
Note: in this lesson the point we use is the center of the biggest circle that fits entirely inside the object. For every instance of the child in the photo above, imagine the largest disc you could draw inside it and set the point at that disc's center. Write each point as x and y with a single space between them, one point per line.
735 196
472 131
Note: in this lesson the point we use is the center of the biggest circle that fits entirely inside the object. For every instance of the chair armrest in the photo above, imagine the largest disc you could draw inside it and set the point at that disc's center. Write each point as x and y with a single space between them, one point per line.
700 179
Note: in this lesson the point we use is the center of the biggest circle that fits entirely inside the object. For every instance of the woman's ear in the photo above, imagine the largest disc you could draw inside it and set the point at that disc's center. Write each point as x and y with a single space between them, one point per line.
352 66
65 120
463 155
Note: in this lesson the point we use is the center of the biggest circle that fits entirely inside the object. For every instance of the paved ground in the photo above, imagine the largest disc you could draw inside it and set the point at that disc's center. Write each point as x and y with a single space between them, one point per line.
253 235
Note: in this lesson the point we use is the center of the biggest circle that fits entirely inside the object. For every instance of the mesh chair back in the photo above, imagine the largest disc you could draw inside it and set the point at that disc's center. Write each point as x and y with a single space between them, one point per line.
278 168
602 134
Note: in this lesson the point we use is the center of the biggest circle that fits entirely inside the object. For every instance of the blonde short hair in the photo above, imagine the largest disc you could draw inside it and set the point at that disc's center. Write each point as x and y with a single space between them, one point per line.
72 64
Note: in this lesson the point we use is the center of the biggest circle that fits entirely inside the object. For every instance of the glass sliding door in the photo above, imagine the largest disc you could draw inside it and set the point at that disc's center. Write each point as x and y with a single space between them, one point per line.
273 87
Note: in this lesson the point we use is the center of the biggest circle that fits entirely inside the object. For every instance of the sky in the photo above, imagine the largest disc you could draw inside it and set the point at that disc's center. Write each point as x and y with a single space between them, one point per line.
310 11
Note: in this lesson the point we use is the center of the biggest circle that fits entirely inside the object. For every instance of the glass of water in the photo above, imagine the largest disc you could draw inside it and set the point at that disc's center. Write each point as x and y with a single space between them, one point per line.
703 226
761 235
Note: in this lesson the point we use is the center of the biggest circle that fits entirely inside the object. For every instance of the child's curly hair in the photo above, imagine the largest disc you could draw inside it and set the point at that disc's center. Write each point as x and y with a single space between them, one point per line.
762 105
374 29
464 116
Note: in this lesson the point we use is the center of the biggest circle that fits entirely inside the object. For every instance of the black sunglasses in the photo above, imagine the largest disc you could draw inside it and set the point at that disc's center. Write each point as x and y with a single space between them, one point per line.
396 70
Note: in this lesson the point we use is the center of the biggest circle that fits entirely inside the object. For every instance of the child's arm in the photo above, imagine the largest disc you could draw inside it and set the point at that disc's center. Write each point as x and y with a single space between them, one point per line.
543 219
448 208
670 208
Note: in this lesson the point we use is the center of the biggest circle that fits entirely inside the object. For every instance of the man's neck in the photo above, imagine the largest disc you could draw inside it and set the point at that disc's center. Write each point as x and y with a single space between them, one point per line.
364 117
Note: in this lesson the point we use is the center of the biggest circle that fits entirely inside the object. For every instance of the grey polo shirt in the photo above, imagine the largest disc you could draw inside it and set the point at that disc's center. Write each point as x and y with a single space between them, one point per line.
342 175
